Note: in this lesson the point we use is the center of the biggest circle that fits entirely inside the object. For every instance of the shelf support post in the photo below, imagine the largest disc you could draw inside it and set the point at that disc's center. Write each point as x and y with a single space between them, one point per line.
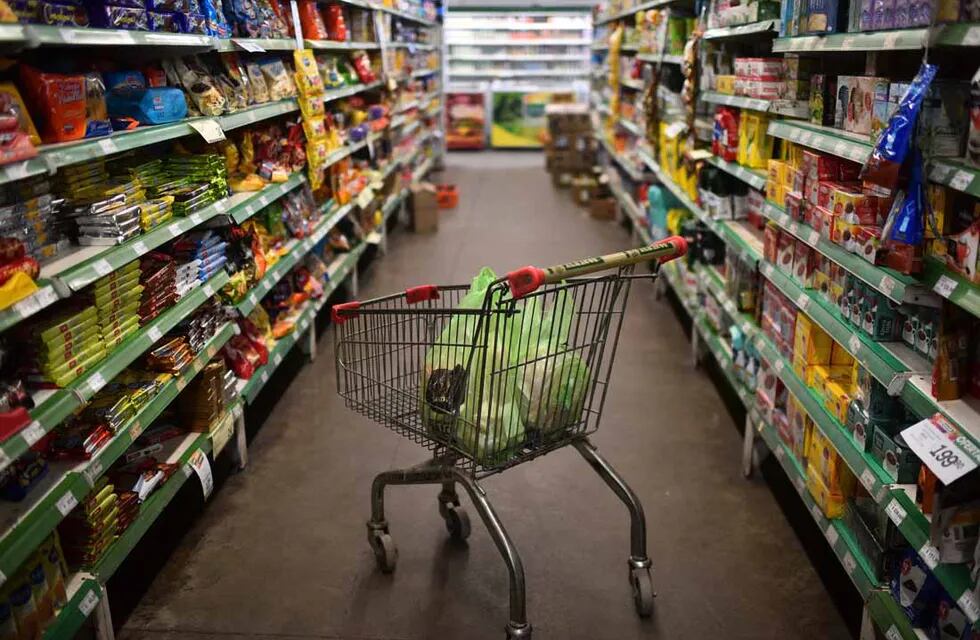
748 446
241 444
103 617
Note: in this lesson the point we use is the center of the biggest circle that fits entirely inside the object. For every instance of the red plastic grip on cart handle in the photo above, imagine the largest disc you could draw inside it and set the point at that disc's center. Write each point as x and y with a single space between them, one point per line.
525 280
341 313
680 248
421 293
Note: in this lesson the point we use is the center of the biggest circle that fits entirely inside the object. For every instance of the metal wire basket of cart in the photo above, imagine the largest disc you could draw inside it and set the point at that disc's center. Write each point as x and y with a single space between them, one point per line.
489 376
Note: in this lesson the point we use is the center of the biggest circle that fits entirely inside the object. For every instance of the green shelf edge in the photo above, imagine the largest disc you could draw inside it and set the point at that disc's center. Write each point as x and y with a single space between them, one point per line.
753 177
150 510
64 401
25 536
632 127
956 174
892 284
889 618
965 295
947 35
634 173
73 615
826 139
742 102
44 297
769 25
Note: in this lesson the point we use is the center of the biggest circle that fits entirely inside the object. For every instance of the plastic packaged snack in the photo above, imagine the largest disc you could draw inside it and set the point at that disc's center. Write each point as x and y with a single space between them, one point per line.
362 65
191 23
336 26
891 148
310 20
260 91
63 14
197 82
217 24
60 100
277 79
162 22
116 17
308 77
149 106
11 102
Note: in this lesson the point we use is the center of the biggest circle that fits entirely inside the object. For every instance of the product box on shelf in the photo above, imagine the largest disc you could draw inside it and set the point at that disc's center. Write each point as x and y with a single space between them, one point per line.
825 16
823 99
855 102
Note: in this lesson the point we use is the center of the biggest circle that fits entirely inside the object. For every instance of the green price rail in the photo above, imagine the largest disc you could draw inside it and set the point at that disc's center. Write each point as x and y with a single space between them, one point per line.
58 405
907 517
27 524
755 178
947 35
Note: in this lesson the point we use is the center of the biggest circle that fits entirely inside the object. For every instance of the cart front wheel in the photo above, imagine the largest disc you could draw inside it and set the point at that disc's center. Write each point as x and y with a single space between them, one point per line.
457 522
518 631
642 585
385 551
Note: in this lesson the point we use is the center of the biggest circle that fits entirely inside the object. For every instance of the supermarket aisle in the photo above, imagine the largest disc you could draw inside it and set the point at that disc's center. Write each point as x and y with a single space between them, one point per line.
281 551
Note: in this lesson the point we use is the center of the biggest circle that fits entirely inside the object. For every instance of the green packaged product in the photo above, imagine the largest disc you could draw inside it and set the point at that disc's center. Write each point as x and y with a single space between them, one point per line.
66 324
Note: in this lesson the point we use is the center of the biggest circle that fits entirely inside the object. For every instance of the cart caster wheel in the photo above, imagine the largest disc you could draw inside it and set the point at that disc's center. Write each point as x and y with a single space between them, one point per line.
457 523
385 552
518 632
642 592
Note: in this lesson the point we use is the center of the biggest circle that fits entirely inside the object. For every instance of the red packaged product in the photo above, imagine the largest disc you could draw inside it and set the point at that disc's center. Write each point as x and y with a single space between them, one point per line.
11 249
336 26
25 264
362 64
310 20
60 102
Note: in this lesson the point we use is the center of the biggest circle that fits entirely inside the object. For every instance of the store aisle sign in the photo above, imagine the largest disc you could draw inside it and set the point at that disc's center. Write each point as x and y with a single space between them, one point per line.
202 467
940 446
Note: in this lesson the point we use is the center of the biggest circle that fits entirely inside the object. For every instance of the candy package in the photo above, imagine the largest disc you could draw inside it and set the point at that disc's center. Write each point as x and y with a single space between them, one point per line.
71 106
882 168
191 23
63 14
308 77
116 17
336 26
217 24
310 20
362 65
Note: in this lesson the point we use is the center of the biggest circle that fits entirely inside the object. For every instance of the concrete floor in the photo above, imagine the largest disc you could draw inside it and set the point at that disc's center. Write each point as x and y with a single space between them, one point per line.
281 550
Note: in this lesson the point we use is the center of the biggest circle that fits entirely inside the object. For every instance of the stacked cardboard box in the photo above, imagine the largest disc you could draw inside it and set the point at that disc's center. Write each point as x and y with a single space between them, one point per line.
571 146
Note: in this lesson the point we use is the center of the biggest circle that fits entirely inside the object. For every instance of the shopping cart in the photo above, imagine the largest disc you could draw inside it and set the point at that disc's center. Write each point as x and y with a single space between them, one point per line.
490 376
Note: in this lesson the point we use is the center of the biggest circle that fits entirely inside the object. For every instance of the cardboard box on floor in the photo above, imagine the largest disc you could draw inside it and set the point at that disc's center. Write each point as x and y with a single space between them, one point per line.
425 208
603 208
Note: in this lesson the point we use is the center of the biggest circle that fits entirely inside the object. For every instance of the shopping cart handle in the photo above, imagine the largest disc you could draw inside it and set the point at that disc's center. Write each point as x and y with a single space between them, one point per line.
421 293
527 279
341 313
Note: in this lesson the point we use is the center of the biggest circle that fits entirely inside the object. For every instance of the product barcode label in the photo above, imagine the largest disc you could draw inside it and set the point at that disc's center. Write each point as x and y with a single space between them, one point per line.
868 480
93 471
887 285
196 218
803 301
102 267
95 382
850 564
66 503
154 333
831 534
813 238
945 286
87 605
32 433
893 633
968 604
854 343
108 145
929 555
816 512
961 181
895 512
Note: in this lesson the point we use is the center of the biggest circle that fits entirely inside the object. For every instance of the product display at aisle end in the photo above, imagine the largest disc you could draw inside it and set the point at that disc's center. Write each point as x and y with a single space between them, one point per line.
184 185
820 163
505 66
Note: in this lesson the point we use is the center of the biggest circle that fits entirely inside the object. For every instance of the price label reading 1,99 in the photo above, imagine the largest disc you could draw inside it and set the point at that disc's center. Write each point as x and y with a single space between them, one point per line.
936 445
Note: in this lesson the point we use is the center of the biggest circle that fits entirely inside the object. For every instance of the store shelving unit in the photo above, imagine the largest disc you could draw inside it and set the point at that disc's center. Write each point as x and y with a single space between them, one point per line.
24 525
903 373
516 61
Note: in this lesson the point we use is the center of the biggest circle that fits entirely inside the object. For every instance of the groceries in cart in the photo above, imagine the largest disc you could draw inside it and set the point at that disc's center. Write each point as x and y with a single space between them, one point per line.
526 385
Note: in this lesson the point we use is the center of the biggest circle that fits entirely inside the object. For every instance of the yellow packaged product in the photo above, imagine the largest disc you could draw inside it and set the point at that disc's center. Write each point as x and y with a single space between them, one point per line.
308 79
811 344
315 128
836 400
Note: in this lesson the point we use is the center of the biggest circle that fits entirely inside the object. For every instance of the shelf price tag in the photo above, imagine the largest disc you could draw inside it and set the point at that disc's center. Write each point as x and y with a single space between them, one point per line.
938 446
854 344
87 605
155 334
850 564
893 633
32 433
962 180
803 301
868 480
940 172
251 47
95 382
93 471
929 555
202 467
102 267
945 286
813 238
968 604
66 503
209 128
816 513
108 145
831 534
887 285
895 512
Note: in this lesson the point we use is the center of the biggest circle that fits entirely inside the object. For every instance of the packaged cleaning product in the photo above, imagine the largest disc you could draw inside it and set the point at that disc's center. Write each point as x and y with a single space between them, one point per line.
892 146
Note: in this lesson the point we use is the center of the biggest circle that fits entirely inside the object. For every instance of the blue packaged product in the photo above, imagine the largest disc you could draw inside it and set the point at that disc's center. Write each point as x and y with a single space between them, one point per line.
914 588
26 10
118 17
63 14
907 226
168 6
123 80
165 22
950 623
156 105
893 143
217 24
191 23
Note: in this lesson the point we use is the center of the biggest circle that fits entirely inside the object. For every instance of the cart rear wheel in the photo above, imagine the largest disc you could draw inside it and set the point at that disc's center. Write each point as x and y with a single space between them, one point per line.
457 522
385 552
642 585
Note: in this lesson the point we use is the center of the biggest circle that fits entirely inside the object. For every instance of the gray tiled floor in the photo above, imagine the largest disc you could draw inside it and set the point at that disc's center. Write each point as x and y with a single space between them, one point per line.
281 551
